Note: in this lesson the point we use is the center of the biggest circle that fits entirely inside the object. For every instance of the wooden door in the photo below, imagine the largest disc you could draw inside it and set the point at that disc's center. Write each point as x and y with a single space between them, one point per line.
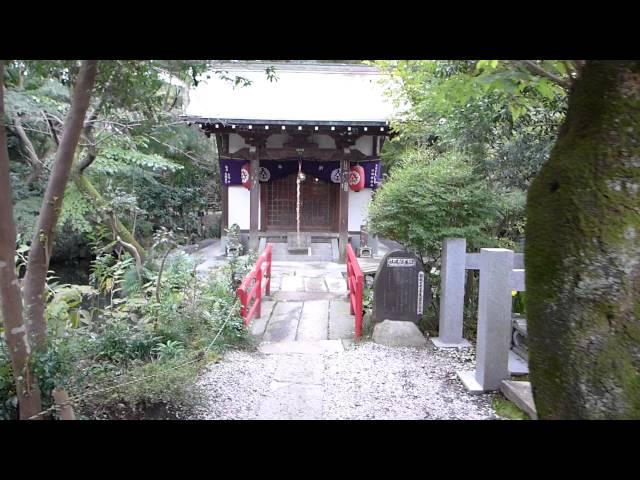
319 205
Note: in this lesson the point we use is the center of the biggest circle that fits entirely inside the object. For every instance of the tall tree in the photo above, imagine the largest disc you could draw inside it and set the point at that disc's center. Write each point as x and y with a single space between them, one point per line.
42 242
32 322
583 253
16 334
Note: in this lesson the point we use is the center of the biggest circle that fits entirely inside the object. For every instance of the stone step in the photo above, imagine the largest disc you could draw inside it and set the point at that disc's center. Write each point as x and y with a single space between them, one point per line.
287 296
520 393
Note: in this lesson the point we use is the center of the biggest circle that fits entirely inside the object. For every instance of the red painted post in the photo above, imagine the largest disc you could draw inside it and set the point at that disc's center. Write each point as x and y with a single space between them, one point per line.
242 295
269 250
350 281
359 294
247 292
258 289
355 283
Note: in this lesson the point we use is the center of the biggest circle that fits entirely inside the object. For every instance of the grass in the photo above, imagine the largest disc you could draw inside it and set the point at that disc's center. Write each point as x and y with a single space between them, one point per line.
507 409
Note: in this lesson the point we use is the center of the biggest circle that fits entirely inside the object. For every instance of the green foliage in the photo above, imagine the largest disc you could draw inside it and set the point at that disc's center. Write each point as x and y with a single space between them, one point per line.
179 272
428 198
107 272
8 397
503 117
63 305
119 341
169 350
25 214
166 382
520 303
77 212
507 409
115 160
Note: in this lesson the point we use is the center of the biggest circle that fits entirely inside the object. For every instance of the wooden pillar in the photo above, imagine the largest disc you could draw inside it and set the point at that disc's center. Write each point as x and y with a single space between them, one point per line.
254 207
224 222
344 206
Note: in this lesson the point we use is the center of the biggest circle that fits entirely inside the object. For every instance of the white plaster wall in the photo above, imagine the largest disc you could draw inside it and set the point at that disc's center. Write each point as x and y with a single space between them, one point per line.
365 145
236 142
324 141
276 141
358 208
239 206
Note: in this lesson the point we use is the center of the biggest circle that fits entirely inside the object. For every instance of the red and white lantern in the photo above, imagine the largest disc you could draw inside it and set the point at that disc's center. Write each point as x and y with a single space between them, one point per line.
356 178
245 175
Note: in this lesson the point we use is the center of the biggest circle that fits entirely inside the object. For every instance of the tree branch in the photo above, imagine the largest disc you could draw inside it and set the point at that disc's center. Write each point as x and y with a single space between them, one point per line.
536 69
92 152
127 246
134 253
34 160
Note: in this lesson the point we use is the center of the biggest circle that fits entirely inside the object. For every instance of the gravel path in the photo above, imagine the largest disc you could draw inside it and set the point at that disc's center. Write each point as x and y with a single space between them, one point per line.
384 383
368 381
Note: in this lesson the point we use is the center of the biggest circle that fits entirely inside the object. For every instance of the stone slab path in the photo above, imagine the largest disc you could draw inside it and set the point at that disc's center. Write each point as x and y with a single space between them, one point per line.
308 302
306 317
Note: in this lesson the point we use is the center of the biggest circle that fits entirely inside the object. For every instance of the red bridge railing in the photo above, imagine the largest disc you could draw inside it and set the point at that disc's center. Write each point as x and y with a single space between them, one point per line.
256 284
355 283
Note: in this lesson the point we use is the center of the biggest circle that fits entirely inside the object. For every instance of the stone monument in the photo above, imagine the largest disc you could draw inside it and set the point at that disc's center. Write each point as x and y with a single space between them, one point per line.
401 289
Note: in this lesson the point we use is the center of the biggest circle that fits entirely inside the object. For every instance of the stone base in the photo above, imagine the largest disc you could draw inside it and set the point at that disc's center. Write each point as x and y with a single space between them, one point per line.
299 242
470 383
398 334
520 393
517 366
440 344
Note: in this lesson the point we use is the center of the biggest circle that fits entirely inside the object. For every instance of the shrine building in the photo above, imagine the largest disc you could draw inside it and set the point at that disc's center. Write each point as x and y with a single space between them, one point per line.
299 153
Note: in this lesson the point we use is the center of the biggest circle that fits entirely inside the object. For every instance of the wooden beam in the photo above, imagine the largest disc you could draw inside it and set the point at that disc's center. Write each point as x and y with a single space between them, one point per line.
254 199
292 154
343 226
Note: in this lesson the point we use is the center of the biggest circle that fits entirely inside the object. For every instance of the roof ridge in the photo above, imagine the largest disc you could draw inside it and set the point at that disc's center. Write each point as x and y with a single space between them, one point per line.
301 67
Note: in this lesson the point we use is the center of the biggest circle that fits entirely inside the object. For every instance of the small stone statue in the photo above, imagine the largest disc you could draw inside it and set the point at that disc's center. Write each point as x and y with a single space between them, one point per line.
365 250
233 245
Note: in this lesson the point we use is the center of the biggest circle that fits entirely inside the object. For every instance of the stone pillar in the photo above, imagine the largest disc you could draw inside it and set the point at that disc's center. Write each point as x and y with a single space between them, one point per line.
452 276
494 322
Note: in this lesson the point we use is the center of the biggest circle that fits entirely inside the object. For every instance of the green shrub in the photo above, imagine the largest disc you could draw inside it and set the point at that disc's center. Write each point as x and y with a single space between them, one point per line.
170 381
8 398
120 341
430 197
130 357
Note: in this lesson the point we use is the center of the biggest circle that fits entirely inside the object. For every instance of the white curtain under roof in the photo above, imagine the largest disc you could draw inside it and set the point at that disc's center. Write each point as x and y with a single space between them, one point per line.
327 93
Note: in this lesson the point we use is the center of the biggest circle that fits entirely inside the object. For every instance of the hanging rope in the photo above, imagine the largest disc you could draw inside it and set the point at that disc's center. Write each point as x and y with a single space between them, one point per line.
298 181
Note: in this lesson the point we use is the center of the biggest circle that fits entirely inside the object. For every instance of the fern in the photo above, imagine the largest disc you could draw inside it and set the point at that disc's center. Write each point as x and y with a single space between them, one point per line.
76 211
114 160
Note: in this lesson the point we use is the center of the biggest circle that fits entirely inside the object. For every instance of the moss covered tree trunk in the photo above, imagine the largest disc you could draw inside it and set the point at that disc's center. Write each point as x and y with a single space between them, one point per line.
583 254
85 186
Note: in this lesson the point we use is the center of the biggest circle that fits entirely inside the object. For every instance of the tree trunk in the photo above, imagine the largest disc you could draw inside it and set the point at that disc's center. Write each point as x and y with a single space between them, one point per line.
35 162
15 332
583 254
42 242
